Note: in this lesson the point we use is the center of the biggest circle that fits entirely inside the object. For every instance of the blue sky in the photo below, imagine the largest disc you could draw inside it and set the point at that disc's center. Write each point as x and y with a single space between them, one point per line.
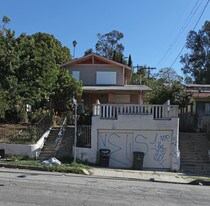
154 30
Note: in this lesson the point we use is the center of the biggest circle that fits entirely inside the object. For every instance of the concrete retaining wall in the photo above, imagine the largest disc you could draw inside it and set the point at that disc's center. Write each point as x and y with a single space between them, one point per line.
31 150
158 139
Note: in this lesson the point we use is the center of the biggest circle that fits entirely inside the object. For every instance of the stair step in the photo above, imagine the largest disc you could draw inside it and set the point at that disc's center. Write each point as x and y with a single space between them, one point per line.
65 147
194 152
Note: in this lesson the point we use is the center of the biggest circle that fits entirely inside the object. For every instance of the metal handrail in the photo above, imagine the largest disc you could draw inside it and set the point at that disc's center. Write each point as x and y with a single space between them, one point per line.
43 125
61 134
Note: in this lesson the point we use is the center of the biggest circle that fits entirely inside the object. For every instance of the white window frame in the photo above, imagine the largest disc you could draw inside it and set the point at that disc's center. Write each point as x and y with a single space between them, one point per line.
76 74
106 78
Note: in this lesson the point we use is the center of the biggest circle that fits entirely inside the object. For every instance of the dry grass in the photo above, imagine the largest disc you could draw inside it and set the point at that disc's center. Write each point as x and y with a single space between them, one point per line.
15 133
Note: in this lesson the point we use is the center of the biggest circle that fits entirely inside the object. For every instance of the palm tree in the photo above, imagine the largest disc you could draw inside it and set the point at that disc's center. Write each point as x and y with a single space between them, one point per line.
74 45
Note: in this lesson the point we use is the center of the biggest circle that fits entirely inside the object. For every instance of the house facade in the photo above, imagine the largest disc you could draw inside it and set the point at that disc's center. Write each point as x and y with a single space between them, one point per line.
105 80
121 122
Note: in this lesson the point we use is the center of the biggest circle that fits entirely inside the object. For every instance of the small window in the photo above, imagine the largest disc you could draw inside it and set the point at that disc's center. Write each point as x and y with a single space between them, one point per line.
106 78
76 74
121 98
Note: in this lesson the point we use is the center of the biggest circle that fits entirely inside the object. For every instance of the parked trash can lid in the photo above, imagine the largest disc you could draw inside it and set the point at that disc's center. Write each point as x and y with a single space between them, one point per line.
135 152
104 152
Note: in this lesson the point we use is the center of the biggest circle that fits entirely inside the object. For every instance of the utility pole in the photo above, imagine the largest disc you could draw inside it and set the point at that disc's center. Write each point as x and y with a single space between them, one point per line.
149 68
144 68
137 67
75 128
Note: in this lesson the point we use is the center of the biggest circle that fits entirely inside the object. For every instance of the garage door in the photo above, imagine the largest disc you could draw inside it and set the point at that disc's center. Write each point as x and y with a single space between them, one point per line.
120 145
155 144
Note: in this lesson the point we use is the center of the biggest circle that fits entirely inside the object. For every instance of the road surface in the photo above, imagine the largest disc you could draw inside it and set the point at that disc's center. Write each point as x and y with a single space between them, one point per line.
32 188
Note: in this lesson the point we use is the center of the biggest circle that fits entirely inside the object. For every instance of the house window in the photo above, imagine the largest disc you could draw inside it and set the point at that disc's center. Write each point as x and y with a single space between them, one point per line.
76 74
106 78
121 99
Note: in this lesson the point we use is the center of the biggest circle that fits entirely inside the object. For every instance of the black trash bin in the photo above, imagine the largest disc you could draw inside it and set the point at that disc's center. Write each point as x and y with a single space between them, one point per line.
2 153
104 157
138 158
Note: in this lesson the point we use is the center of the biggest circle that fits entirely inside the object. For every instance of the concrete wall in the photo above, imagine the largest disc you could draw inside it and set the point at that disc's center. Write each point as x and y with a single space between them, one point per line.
158 139
31 150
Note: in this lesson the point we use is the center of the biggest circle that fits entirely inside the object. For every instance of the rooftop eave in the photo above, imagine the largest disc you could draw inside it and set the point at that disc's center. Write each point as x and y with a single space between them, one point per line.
136 88
76 61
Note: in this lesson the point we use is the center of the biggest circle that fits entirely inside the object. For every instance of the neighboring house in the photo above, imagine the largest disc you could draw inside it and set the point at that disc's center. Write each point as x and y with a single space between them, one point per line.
196 116
120 121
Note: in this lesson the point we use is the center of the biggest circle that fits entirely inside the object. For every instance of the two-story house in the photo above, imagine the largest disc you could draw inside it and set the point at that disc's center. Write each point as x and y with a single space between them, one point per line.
105 80
121 122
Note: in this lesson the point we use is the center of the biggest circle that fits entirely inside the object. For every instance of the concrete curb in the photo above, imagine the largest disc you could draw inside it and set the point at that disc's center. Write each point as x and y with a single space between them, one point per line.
151 176
194 182
134 179
193 179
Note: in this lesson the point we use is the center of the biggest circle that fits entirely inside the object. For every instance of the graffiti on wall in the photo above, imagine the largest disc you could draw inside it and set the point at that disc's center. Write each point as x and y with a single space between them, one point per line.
155 144
112 141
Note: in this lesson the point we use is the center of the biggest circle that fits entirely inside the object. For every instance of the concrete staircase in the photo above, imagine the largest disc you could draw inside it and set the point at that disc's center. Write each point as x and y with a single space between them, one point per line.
65 149
194 152
48 150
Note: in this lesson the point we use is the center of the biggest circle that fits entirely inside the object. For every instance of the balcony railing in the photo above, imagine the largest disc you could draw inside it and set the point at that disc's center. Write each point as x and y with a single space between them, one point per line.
111 111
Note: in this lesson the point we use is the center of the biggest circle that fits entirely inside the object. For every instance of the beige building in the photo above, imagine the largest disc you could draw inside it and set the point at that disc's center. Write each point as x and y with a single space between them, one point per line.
105 80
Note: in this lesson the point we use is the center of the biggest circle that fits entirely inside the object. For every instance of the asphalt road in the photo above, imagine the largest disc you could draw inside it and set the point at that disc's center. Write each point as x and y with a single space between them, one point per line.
21 188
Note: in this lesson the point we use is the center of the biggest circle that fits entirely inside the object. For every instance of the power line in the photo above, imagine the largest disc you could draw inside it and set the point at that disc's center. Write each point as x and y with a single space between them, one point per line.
181 31
193 29
201 14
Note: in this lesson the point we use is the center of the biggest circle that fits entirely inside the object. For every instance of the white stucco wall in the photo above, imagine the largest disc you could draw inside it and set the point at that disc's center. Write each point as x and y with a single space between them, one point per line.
31 150
85 154
158 139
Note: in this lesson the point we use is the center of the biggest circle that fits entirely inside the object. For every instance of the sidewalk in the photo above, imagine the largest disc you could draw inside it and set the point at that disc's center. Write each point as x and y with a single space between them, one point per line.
153 176
137 175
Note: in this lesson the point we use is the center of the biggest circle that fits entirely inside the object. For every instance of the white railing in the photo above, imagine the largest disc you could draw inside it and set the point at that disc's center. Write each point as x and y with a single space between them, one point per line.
111 111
